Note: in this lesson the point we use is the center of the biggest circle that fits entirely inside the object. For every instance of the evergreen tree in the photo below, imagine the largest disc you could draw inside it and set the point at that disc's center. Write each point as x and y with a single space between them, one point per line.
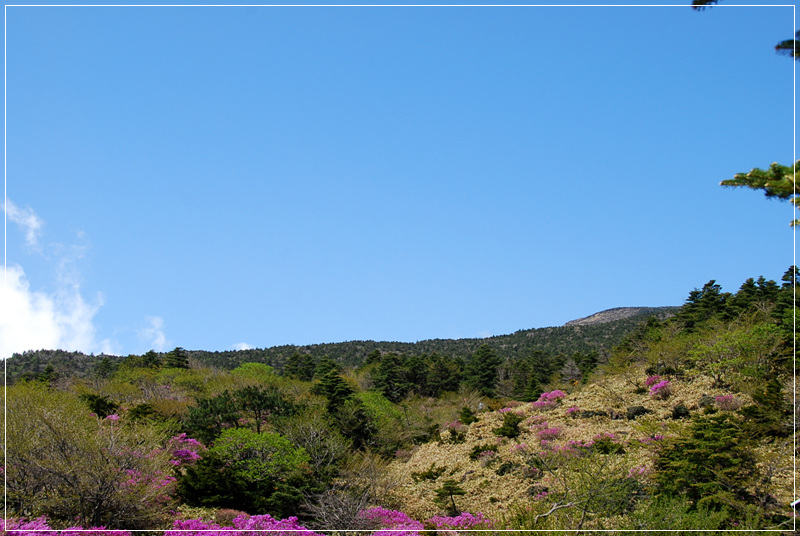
373 357
211 416
586 363
262 402
481 370
446 494
415 373
443 374
326 365
390 378
467 416
354 422
770 415
104 368
776 182
333 387
703 305
99 405
177 358
150 360
49 375
300 366
711 465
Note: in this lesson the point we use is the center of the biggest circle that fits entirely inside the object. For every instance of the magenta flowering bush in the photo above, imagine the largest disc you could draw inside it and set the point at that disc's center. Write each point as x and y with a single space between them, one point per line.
276 527
548 434
39 527
464 521
21 527
652 380
243 525
575 448
196 527
573 411
549 400
398 523
728 402
184 450
661 390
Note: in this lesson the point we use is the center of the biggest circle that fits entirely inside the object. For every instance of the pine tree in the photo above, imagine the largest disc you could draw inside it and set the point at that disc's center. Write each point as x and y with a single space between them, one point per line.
104 368
711 465
481 370
49 375
445 496
443 374
333 387
177 358
326 365
390 378
300 366
776 182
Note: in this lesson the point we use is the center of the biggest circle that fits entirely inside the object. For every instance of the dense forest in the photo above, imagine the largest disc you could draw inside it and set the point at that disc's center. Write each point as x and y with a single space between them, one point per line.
677 419
553 341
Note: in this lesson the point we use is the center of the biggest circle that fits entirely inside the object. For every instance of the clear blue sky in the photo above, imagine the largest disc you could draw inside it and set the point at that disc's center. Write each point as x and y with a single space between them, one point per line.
213 177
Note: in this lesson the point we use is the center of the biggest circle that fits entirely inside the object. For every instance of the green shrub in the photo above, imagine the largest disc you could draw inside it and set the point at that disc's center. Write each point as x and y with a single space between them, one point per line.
254 472
674 514
478 449
467 416
99 405
711 464
510 426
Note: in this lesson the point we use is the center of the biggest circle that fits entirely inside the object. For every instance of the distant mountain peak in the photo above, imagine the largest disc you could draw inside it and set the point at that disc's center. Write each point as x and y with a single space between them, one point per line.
619 313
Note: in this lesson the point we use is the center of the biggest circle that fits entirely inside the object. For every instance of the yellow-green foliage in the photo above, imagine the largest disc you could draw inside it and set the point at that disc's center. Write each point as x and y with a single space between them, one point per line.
76 468
256 371
740 355
383 411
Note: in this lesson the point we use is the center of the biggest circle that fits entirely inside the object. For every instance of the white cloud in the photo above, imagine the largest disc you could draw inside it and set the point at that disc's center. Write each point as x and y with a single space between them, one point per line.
27 219
33 320
153 335
60 319
242 346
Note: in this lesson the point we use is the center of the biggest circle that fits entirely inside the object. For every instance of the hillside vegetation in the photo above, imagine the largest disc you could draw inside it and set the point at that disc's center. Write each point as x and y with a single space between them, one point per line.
565 340
685 422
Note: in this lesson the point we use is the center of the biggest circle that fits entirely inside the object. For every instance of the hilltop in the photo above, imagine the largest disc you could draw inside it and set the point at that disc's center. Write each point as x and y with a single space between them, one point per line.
621 313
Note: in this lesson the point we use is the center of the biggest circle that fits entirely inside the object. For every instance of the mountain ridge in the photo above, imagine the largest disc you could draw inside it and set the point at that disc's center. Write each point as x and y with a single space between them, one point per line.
592 333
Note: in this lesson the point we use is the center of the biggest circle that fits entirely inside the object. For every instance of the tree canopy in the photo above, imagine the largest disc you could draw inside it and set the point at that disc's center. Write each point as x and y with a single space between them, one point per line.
777 182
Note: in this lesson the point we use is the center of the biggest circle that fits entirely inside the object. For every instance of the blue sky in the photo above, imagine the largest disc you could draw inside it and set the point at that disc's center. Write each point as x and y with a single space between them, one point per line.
220 177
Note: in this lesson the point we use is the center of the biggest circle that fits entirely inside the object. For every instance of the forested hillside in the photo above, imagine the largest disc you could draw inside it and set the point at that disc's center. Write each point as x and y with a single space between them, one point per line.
563 340
685 424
